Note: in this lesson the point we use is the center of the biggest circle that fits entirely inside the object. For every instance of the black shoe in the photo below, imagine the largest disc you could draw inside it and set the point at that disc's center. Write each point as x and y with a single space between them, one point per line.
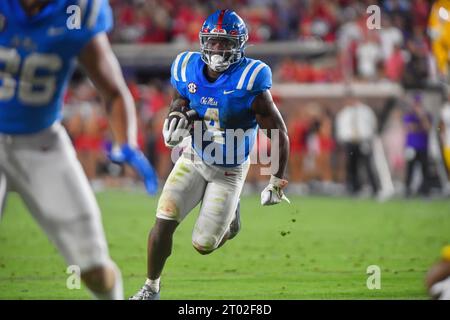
235 225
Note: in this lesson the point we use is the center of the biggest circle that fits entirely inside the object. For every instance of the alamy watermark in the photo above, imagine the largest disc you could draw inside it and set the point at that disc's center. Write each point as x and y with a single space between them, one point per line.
374 280
73 281
74 19
374 20
230 146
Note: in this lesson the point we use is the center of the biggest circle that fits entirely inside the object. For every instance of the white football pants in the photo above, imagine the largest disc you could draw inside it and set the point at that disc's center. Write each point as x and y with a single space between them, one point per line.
44 170
218 188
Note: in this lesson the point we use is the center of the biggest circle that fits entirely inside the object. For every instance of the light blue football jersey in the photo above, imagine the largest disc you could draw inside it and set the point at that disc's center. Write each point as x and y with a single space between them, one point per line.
37 57
225 105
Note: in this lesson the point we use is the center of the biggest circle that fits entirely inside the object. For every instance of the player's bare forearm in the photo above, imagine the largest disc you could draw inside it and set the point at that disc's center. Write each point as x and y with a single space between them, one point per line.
268 117
122 118
103 69
178 101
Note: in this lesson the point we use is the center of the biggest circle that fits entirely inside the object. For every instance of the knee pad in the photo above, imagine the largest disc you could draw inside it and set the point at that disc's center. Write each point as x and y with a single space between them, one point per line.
204 244
100 288
168 209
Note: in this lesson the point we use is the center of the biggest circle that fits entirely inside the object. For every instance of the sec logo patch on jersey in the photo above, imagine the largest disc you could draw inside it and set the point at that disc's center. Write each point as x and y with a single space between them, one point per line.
192 87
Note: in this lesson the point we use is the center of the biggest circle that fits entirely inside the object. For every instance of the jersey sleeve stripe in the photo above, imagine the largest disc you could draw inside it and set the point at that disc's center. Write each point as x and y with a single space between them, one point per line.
94 14
184 66
82 4
244 75
254 75
175 67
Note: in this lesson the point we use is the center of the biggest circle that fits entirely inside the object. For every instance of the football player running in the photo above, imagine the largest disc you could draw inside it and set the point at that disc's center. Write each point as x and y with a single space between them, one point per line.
39 42
230 92
437 279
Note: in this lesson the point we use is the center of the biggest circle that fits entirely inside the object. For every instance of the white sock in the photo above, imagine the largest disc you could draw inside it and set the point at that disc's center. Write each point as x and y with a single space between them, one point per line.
116 293
153 284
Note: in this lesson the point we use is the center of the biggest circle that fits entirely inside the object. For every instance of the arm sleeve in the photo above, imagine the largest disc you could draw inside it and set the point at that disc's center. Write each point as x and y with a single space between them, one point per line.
263 80
174 74
261 83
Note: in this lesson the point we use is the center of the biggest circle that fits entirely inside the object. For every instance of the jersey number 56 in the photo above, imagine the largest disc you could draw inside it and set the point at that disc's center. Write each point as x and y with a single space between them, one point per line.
33 89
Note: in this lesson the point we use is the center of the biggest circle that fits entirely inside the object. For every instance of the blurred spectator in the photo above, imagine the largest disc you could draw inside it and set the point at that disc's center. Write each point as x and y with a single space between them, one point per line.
290 70
287 71
390 36
351 30
420 10
396 6
417 125
287 18
258 158
89 144
187 23
326 147
298 128
445 133
394 65
417 69
86 124
394 142
356 126
369 55
318 20
260 21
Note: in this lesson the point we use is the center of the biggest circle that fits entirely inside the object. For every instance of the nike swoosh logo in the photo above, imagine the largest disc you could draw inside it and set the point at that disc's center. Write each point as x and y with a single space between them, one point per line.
228 92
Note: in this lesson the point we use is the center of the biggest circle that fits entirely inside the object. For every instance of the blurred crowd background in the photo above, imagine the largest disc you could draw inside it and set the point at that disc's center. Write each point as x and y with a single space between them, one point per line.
398 51
352 142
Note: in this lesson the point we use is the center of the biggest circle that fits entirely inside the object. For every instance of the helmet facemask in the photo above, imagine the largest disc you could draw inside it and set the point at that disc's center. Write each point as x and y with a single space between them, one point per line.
220 51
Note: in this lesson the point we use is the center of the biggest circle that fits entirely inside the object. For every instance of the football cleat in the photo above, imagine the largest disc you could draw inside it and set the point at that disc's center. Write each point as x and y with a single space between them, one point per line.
441 290
146 294
235 225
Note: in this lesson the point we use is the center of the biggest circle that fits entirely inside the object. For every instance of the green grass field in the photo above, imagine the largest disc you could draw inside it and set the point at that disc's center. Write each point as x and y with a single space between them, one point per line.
315 248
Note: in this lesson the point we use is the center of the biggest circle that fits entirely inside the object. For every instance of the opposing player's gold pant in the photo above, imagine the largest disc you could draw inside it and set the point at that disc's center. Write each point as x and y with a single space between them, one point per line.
447 157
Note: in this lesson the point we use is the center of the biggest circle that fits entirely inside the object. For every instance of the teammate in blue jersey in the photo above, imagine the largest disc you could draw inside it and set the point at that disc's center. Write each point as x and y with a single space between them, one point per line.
40 41
230 92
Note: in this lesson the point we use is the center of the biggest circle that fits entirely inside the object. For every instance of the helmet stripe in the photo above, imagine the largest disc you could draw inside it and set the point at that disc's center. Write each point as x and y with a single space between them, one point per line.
244 75
253 76
220 20
184 66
